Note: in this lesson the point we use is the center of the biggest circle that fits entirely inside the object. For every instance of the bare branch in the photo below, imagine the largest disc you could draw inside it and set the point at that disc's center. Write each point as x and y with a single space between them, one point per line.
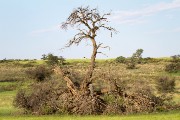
108 28
102 53
90 19
75 40
100 46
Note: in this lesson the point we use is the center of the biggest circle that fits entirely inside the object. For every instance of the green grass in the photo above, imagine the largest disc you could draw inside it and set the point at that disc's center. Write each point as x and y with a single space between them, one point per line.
175 115
87 60
7 83
6 99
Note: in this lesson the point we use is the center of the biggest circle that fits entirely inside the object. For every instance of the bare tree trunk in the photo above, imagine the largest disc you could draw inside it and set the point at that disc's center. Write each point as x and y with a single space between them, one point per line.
88 80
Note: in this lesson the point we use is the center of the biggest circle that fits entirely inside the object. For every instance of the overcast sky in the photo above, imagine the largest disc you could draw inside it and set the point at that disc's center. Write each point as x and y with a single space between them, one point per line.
30 28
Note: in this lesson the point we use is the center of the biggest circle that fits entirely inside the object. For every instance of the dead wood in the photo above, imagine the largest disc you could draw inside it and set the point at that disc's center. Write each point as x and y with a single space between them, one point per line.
69 82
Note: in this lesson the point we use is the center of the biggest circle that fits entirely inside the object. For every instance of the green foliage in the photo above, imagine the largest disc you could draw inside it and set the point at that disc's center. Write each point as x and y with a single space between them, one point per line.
174 66
147 60
137 56
53 60
39 73
120 59
44 57
135 59
165 84
6 60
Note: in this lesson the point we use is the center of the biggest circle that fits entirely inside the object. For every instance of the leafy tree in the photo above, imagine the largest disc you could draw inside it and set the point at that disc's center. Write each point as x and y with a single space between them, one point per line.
53 60
136 58
44 57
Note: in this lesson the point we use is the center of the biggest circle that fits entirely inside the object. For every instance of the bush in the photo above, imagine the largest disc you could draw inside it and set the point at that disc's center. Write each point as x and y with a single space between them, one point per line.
140 97
147 60
165 84
114 104
39 73
50 98
131 97
53 60
40 98
174 66
120 59
133 103
131 64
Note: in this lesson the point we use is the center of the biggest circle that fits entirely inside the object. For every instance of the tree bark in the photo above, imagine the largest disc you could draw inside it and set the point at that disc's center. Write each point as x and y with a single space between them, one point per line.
87 80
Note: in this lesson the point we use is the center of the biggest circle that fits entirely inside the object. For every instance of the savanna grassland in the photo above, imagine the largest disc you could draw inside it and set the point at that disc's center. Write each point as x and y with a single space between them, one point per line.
13 77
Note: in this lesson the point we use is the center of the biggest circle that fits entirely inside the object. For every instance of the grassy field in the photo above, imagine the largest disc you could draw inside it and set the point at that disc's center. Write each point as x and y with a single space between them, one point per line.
13 77
160 116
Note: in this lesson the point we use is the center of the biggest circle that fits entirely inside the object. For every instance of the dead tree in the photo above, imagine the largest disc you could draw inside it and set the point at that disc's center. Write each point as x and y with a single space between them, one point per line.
88 22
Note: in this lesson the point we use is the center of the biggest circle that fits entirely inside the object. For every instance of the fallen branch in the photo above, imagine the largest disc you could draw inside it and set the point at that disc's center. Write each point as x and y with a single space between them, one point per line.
69 82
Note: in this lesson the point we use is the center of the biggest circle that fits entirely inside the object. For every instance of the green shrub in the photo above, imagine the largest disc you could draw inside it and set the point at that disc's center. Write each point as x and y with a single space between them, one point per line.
39 73
147 60
120 59
165 84
174 66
